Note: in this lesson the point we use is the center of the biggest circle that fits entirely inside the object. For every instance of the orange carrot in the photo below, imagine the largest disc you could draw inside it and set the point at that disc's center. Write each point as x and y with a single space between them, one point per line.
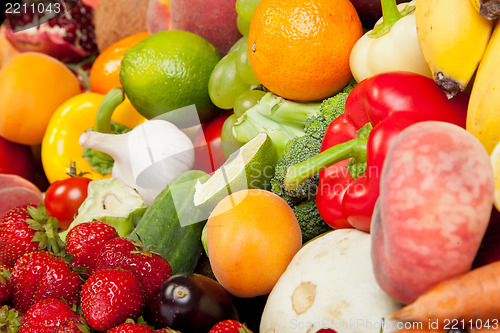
473 295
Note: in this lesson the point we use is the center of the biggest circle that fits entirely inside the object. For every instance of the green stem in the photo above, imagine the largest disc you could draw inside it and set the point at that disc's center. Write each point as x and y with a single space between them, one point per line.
108 105
103 118
298 173
390 14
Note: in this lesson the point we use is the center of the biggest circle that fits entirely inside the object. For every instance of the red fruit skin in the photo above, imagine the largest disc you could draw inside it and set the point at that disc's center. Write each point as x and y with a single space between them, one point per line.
16 191
16 159
40 275
215 21
5 284
130 328
46 315
85 241
69 326
16 235
109 297
149 268
229 326
209 155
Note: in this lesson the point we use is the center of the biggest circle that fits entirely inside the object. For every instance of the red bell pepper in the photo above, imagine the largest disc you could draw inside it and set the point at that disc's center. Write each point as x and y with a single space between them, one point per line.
350 162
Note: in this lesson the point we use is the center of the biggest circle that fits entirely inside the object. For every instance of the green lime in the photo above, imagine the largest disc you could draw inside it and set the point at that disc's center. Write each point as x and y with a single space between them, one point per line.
251 166
167 71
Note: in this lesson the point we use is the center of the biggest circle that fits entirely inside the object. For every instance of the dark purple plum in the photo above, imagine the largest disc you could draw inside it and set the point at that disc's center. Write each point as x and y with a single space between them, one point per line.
190 303
369 11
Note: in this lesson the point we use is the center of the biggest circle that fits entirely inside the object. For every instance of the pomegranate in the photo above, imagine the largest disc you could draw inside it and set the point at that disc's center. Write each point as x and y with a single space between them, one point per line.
69 37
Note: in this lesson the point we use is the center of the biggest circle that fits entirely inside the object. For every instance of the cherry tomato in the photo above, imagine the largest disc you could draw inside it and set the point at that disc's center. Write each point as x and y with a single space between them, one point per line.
64 197
208 147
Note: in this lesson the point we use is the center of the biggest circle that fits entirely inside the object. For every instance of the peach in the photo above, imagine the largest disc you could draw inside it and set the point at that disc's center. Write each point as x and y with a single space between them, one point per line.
15 191
436 198
158 16
213 20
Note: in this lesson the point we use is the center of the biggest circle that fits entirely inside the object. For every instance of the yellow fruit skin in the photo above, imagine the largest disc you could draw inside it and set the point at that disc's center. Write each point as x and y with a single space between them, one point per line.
483 113
453 37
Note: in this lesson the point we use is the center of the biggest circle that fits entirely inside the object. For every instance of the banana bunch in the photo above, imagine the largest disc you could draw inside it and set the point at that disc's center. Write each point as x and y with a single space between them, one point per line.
488 8
460 41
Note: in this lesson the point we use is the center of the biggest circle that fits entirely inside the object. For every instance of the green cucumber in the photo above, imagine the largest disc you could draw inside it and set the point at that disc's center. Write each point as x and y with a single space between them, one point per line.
171 226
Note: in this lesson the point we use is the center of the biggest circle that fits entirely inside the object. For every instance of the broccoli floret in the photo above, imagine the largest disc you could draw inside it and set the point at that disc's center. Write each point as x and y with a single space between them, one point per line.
311 223
303 198
296 151
280 118
334 106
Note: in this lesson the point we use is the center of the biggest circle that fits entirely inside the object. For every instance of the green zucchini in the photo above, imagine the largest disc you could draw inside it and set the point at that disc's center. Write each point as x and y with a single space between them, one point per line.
171 225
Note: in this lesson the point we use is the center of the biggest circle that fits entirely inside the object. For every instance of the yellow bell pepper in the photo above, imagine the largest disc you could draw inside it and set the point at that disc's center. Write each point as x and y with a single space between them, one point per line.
392 45
60 147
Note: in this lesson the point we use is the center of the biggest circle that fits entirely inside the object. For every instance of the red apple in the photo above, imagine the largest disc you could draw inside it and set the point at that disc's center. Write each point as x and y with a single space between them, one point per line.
16 159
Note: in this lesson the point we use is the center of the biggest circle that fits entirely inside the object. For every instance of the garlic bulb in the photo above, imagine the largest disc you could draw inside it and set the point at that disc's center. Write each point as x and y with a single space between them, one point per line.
148 157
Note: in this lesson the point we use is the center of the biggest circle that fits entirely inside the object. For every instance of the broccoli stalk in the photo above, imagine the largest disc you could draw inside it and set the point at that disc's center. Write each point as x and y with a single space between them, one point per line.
354 149
280 118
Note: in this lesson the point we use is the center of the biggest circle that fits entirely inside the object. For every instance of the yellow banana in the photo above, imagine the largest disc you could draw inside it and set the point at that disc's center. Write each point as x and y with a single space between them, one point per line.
483 113
488 8
453 37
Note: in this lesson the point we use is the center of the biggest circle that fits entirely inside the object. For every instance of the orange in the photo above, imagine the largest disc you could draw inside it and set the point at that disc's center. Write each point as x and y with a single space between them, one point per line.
299 49
105 72
32 86
252 235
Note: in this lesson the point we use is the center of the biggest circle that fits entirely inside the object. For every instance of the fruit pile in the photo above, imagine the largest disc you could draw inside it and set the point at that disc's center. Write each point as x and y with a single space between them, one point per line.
249 166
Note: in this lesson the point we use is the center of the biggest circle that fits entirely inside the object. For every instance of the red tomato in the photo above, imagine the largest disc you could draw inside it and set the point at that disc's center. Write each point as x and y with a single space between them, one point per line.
64 197
16 159
208 147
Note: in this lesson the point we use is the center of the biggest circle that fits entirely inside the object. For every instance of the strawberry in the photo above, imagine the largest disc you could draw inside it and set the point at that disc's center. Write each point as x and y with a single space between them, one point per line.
85 240
46 315
109 297
5 284
9 319
230 326
25 229
150 268
40 274
130 328
72 325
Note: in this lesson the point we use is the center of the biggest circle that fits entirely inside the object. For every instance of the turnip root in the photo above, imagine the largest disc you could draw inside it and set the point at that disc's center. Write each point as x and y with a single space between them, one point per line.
436 196
330 284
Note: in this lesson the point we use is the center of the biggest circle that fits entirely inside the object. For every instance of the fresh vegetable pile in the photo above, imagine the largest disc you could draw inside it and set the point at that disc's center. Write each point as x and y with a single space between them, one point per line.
249 166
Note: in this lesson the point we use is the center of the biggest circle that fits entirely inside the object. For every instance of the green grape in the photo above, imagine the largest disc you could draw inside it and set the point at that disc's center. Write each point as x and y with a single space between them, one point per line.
243 41
224 84
246 100
243 25
243 67
245 8
229 143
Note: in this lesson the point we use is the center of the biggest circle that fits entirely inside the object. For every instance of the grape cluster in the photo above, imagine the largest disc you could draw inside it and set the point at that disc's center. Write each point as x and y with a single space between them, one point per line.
233 74
233 84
